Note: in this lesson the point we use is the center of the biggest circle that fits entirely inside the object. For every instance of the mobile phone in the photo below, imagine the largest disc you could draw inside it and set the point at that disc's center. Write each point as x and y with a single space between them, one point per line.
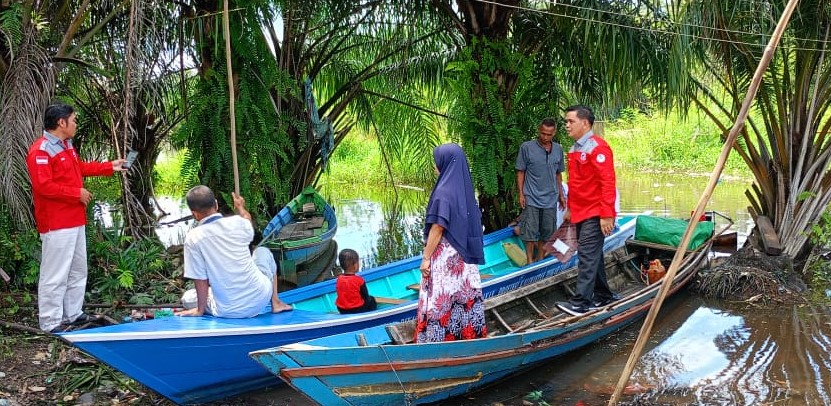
131 157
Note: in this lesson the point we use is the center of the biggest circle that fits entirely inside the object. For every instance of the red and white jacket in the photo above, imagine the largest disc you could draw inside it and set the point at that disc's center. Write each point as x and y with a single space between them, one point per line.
591 179
56 174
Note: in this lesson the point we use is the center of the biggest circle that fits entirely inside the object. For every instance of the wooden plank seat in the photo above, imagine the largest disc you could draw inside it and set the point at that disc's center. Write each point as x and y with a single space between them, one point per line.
314 222
301 229
389 300
651 245
417 286
294 231
401 333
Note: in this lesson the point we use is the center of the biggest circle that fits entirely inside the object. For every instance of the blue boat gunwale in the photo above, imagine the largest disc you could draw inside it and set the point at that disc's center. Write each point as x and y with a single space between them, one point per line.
635 300
192 370
270 323
400 357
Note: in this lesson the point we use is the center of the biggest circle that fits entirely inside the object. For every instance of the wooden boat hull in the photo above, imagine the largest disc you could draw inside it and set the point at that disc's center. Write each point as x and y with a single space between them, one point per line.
199 359
335 370
307 244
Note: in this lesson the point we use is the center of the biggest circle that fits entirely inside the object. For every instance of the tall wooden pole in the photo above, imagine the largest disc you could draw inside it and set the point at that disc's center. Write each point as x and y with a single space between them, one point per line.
705 197
232 113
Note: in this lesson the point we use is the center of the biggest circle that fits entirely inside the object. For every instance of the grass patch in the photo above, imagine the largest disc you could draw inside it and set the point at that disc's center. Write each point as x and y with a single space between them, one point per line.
669 143
358 161
167 173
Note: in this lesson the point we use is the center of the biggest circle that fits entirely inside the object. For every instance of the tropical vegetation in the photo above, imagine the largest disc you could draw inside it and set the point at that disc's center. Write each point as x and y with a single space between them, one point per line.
786 143
310 77
379 83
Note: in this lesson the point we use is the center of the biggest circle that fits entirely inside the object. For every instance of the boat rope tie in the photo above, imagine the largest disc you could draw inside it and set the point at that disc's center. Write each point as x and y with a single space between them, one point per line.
408 397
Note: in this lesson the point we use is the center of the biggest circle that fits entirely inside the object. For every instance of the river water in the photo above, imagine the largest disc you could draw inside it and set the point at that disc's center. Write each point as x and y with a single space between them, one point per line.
701 352
382 227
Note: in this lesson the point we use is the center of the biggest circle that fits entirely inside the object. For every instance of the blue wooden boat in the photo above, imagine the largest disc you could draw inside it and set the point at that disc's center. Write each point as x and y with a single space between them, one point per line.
301 231
381 366
199 359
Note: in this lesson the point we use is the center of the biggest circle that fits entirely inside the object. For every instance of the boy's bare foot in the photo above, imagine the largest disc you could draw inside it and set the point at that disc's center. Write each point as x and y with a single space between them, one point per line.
279 307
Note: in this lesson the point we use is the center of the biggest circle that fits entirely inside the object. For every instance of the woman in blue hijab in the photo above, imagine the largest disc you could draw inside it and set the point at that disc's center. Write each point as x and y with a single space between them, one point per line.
450 304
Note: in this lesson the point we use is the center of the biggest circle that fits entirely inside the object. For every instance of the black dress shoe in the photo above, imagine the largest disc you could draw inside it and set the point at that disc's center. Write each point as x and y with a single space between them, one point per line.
86 318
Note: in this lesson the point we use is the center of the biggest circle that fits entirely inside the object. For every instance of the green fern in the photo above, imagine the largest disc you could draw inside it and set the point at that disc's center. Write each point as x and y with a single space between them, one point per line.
493 120
11 24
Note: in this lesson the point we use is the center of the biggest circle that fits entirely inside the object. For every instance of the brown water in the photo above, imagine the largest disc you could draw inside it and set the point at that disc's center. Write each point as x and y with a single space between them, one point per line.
700 353
382 228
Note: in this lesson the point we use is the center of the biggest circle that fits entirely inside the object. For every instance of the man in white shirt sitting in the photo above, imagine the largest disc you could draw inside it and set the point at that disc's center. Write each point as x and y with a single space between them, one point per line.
217 258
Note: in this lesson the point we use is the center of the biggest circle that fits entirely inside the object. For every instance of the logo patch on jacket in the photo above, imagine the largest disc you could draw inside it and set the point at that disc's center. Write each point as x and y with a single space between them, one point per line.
601 158
41 160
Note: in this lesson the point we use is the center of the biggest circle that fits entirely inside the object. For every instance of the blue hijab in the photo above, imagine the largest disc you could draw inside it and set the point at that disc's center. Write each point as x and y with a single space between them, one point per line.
453 205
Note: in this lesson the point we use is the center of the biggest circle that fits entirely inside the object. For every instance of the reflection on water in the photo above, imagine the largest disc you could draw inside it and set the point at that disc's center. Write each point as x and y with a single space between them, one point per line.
700 353
380 225
383 226
175 209
743 356
674 195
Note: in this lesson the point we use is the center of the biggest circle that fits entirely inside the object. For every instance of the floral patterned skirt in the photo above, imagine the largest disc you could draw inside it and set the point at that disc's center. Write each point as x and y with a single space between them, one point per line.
450 304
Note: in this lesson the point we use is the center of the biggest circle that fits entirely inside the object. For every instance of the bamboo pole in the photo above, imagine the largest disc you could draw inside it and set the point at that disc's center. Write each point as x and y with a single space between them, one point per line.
232 113
705 197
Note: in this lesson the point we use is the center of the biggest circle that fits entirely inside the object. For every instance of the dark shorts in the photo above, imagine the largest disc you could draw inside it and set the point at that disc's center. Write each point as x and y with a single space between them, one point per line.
537 224
369 305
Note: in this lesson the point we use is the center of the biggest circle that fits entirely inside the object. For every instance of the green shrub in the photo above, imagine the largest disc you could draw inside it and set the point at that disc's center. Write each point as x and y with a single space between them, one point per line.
168 179
21 253
818 269
668 142
126 270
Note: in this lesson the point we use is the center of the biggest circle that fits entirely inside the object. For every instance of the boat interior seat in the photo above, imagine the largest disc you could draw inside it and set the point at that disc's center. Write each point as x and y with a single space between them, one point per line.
301 229
389 300
401 333
308 209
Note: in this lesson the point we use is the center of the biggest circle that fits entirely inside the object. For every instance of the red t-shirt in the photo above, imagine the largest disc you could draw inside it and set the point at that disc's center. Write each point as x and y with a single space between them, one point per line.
591 180
56 174
349 287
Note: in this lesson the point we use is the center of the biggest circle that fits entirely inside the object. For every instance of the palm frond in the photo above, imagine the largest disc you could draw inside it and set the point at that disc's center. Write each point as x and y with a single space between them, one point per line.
789 153
27 90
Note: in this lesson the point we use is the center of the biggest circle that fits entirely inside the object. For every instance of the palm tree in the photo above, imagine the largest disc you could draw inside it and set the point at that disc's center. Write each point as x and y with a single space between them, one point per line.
350 57
523 61
786 141
133 101
32 55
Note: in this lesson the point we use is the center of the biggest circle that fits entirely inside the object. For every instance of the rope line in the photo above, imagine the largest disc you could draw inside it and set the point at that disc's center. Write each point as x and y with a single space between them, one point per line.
725 30
407 396
657 30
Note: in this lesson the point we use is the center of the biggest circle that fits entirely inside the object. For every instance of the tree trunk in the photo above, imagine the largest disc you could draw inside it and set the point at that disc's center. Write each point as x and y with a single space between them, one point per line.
486 28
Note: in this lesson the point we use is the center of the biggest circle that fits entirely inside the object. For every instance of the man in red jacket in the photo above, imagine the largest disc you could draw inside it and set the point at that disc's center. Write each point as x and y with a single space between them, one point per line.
591 207
60 201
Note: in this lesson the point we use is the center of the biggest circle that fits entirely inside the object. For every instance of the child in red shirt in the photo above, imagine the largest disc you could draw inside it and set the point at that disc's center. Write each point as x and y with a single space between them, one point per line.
353 296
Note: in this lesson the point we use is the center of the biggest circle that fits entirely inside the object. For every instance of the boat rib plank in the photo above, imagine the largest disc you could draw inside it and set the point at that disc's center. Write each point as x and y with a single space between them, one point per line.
417 389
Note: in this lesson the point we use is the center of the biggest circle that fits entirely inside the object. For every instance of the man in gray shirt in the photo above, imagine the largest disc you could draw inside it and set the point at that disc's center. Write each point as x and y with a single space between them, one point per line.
539 167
